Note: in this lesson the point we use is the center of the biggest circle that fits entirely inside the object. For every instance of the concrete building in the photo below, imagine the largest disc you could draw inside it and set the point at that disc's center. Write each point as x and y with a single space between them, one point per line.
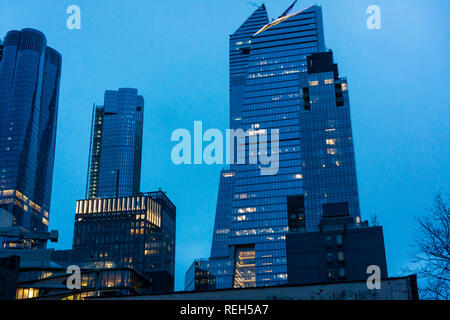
402 288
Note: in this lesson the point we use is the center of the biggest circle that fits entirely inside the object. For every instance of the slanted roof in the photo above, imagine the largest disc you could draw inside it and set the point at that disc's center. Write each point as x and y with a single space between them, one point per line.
279 20
257 19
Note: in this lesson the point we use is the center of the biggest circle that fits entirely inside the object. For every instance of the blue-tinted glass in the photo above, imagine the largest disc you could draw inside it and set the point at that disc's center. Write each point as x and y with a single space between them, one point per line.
116 149
29 92
272 87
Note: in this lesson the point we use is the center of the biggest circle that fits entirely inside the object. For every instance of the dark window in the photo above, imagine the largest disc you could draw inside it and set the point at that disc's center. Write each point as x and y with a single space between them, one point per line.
330 257
296 212
2 286
339 240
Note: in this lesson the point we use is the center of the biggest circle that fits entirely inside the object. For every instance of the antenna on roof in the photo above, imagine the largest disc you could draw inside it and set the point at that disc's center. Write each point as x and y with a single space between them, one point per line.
288 10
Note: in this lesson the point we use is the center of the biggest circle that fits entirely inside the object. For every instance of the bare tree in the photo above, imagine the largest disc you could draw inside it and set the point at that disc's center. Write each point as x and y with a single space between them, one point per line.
433 250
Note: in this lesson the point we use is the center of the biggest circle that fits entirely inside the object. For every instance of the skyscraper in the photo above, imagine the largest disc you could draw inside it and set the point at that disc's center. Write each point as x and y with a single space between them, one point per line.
281 77
117 224
116 145
29 91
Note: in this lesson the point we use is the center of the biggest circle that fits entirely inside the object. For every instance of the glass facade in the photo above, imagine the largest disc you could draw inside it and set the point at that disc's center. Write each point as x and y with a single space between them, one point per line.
219 247
136 232
276 58
281 78
45 283
117 223
30 74
116 145
328 161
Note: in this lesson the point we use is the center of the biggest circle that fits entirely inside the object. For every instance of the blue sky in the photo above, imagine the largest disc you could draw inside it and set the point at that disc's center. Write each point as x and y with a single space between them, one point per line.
176 53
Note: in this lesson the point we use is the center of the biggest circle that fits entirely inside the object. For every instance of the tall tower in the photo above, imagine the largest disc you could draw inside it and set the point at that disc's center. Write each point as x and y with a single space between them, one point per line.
116 145
30 74
277 55
281 78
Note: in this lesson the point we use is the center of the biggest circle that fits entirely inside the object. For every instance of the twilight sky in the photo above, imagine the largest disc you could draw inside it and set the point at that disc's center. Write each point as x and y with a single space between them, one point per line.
176 54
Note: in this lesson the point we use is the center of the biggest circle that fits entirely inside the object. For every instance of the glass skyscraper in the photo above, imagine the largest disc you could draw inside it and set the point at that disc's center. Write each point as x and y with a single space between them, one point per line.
30 74
277 81
117 224
116 145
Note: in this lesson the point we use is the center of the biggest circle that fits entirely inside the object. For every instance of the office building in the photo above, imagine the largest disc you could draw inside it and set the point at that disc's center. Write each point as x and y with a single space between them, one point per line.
282 78
115 156
136 232
30 74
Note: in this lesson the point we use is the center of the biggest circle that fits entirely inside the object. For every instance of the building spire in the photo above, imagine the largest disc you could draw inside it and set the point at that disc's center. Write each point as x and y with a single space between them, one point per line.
288 10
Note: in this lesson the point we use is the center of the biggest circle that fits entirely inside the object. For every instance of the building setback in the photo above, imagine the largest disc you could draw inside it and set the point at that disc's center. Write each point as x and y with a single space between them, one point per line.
30 74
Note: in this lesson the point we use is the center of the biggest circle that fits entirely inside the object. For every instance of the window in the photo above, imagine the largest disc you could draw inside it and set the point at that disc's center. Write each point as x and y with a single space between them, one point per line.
328 241
341 256
330 258
330 274
339 240
341 273
331 151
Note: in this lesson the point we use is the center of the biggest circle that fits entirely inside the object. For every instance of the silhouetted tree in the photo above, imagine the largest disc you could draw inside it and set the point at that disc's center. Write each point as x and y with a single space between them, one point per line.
433 250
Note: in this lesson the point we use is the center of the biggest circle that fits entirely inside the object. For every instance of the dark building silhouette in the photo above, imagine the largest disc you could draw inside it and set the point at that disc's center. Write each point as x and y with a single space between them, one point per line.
9 271
30 74
339 251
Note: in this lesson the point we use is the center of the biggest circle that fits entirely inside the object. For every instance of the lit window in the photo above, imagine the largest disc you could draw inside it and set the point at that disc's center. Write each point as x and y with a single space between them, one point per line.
331 150
329 81
330 274
314 83
331 142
